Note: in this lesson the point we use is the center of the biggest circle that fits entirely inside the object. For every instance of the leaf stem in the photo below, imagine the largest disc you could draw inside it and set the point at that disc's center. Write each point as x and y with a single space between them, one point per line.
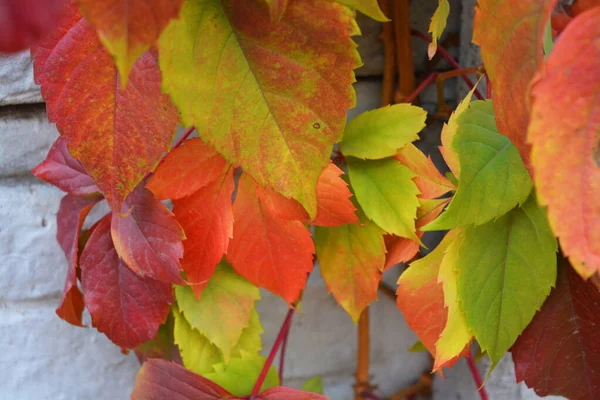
282 354
278 341
477 378
362 365
370 396
421 87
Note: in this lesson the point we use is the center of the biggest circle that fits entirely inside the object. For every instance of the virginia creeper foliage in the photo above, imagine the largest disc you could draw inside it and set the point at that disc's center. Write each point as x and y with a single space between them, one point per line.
277 181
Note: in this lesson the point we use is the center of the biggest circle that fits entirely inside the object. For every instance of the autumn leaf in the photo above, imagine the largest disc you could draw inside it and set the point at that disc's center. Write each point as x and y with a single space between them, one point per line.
207 219
223 310
499 28
126 307
271 252
581 6
368 7
437 25
505 270
247 102
399 249
558 353
351 259
148 238
118 135
387 194
162 346
185 170
492 179
314 385
277 9
333 199
25 22
71 214
565 137
380 133
63 171
286 393
127 28
430 182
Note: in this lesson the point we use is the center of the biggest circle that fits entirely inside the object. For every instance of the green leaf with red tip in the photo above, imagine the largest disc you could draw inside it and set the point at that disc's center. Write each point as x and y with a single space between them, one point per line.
223 310
207 219
437 25
351 260
492 178
505 270
126 307
380 133
71 214
559 354
185 170
511 35
386 192
148 238
269 251
118 134
565 135
127 28
241 87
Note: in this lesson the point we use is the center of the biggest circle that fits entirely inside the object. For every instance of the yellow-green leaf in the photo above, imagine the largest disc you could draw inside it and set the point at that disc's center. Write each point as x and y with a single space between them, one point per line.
269 96
368 7
380 133
386 192
314 385
437 25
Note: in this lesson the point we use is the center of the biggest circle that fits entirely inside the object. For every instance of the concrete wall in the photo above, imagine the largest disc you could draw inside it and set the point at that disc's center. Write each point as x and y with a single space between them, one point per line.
45 358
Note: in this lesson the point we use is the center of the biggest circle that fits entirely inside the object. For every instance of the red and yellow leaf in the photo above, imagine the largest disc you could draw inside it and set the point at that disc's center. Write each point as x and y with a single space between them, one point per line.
437 25
63 171
126 307
334 207
207 219
70 218
269 251
24 22
510 34
559 352
128 28
148 238
565 134
274 100
118 134
185 170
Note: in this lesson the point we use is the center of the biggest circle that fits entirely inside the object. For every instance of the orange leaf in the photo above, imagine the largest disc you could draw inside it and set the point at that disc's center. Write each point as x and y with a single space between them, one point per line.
564 132
207 219
269 251
128 28
334 207
186 169
118 135
510 34
583 5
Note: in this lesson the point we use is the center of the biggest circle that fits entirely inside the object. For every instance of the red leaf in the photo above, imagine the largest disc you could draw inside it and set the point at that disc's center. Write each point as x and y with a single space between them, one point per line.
334 207
207 219
118 135
148 238
126 307
279 206
63 171
559 352
511 34
286 393
564 132
186 169
70 217
164 380
581 6
24 22
270 252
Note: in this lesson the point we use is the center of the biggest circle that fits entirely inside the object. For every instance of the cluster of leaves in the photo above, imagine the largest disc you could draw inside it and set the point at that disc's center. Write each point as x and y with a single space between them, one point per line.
262 192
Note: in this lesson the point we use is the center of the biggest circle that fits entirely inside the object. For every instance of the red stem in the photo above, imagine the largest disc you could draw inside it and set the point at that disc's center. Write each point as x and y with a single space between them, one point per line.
421 87
477 378
370 396
448 57
282 332
282 354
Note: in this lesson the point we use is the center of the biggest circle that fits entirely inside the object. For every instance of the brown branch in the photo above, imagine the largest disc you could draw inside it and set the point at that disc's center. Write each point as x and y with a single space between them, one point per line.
404 55
423 387
387 37
443 109
362 370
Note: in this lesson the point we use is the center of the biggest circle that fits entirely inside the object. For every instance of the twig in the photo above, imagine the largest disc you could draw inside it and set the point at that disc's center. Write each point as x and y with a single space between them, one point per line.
362 365
404 55
370 396
451 74
387 37
419 89
423 386
263 373
477 378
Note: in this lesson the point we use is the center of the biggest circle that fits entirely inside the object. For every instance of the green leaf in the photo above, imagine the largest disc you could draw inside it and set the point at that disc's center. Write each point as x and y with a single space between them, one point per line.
437 25
368 7
386 192
314 385
223 310
250 340
269 96
505 269
493 178
380 133
417 347
240 375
